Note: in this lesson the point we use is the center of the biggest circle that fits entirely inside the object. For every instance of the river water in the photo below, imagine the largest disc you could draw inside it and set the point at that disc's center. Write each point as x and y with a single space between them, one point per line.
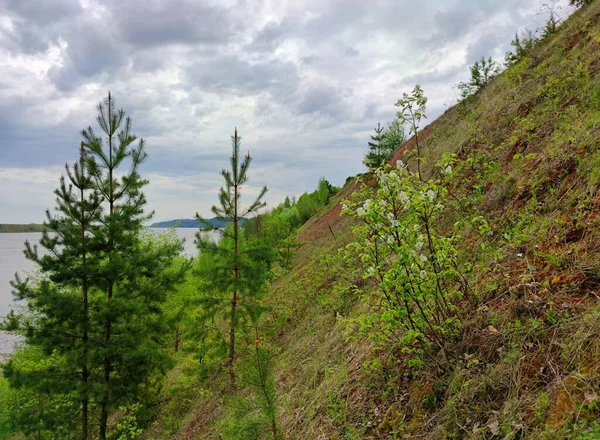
13 260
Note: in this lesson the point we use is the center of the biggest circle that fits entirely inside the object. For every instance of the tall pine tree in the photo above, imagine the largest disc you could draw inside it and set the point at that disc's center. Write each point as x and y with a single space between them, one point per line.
59 298
95 326
135 275
237 270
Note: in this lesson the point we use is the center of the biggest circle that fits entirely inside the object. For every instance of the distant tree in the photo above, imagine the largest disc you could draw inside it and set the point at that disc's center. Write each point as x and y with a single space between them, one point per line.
579 3
482 73
384 143
376 155
324 191
522 47
307 205
393 137
238 271
550 27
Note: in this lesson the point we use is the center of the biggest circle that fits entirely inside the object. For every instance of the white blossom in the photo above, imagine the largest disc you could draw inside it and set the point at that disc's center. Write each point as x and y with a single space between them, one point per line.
419 245
448 170
403 197
431 195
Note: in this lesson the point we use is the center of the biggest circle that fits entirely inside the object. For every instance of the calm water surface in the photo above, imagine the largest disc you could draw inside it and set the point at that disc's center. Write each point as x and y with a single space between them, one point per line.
12 260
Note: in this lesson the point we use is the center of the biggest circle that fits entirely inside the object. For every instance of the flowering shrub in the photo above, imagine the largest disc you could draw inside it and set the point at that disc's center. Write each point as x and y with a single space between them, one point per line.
400 244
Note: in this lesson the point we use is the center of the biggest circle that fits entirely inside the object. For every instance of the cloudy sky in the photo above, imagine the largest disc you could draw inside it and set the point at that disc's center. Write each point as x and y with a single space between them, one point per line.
305 81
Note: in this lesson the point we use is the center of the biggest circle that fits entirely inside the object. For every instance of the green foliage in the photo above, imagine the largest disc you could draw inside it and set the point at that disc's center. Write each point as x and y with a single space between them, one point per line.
306 206
94 325
127 425
482 72
238 269
523 45
558 87
409 254
393 136
412 261
255 416
550 27
374 157
32 401
135 275
277 226
309 203
383 144
412 111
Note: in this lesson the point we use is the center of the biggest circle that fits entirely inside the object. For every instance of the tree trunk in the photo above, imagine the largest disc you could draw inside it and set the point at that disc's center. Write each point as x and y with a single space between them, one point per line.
236 277
84 288
107 330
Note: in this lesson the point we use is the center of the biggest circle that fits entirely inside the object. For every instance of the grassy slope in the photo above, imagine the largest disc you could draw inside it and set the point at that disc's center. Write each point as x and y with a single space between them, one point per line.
530 356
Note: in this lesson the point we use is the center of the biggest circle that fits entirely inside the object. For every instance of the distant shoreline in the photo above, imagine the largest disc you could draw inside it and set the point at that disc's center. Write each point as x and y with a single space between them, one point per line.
29 227
187 223
12 228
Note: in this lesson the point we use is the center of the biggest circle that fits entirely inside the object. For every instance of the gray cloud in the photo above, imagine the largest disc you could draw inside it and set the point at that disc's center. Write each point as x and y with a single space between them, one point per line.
233 75
269 37
164 22
43 12
97 53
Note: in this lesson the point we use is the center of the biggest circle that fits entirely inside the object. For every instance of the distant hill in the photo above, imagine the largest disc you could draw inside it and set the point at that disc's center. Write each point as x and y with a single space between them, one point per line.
189 223
30 227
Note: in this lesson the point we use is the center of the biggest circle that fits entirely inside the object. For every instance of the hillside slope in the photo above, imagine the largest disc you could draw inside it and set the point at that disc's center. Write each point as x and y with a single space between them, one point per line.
528 363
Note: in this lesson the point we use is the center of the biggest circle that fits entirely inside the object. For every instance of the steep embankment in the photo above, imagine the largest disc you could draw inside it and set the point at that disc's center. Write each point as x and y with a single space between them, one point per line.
528 364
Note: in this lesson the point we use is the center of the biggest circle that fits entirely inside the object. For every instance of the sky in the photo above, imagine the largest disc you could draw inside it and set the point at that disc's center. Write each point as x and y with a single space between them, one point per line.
304 82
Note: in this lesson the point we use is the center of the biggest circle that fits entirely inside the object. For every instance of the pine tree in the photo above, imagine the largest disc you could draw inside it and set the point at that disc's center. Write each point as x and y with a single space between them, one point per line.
522 47
95 329
550 27
482 72
376 155
241 272
135 274
59 300
255 417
